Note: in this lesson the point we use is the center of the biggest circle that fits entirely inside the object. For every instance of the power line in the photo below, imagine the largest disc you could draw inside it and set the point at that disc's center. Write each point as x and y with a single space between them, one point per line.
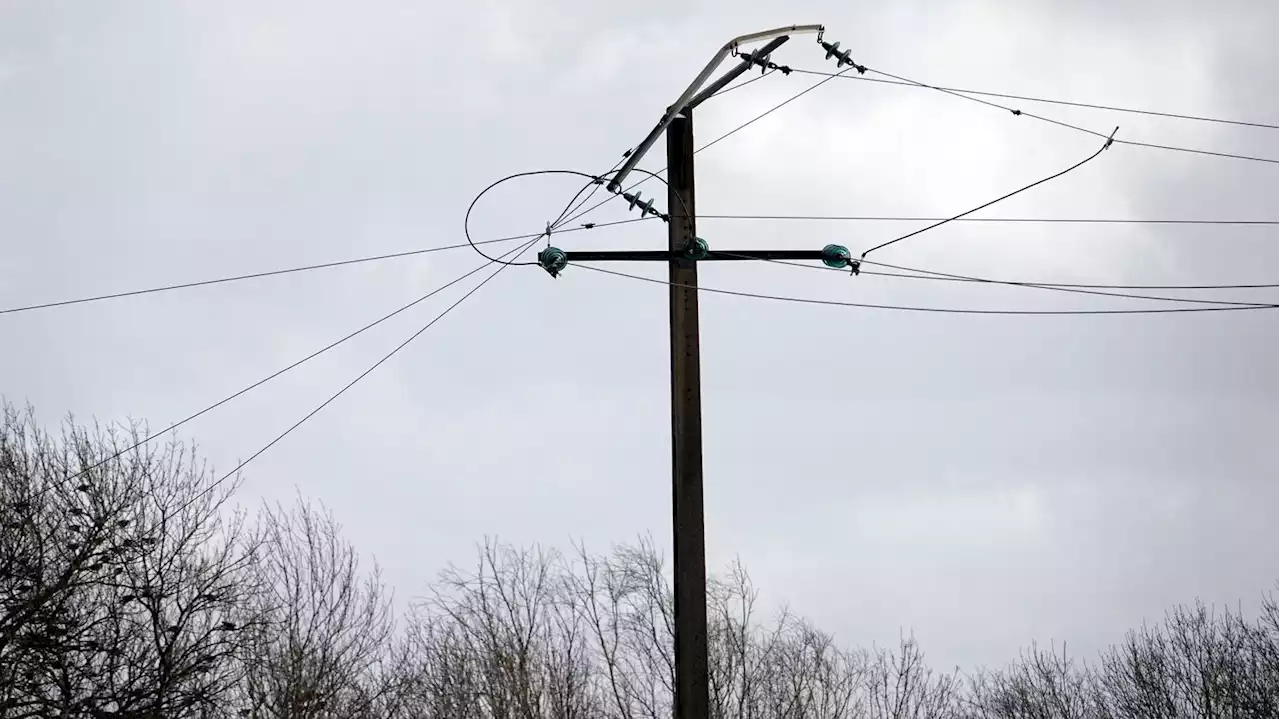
959 278
1073 288
945 310
277 373
352 383
1028 98
289 270
466 220
743 126
998 199
965 278
1042 118
1045 220
774 109
828 76
744 83
1233 156
594 185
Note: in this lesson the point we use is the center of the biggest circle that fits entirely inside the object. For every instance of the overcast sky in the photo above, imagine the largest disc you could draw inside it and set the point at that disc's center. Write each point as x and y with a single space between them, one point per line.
983 481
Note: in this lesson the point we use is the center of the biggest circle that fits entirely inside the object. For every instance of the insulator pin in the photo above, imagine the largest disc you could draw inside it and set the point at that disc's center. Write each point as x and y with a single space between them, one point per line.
553 260
697 249
838 257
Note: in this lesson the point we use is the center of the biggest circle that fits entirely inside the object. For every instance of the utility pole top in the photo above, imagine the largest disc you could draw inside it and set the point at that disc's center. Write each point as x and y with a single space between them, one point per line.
685 99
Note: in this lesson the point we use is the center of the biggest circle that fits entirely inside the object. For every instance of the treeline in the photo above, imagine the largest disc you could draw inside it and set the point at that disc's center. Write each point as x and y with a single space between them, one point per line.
131 587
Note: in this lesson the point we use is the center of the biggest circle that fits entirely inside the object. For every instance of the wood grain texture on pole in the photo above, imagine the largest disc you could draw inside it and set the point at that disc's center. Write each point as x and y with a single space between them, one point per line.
691 691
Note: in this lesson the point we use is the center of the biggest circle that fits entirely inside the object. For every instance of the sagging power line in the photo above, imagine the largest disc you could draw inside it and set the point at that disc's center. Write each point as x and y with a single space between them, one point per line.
1021 113
1029 98
938 310
1030 220
156 435
302 268
1002 198
1100 291
234 470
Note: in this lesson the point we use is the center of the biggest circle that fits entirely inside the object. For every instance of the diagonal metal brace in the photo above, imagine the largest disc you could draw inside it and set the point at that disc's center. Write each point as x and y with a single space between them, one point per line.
731 75
683 102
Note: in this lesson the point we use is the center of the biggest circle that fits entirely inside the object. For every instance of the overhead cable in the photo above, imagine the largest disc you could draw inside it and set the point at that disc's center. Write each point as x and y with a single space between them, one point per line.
1037 220
1042 118
304 268
296 364
1075 289
985 205
362 375
1027 98
737 129
944 310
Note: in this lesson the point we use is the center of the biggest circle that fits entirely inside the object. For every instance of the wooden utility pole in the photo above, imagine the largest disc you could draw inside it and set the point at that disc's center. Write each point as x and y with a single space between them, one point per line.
684 251
688 529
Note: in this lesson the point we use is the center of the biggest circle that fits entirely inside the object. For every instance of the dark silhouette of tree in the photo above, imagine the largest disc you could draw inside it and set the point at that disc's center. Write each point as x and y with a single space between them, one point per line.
323 645
131 588
1044 683
123 584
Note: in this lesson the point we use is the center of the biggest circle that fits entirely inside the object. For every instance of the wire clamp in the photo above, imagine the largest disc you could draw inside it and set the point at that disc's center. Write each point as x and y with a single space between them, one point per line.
1111 138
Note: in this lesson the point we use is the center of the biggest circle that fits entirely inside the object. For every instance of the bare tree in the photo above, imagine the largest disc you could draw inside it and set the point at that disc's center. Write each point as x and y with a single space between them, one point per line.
625 601
1043 683
324 644
901 686
599 643
1266 639
130 589
503 640
804 674
1198 663
123 580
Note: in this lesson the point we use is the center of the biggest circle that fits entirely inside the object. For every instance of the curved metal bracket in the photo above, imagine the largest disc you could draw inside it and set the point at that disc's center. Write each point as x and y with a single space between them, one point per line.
680 104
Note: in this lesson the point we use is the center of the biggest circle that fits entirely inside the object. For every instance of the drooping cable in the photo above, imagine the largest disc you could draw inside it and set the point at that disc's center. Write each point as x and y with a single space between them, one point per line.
743 84
304 268
1066 285
1042 118
594 186
985 205
466 222
1074 289
235 470
155 435
944 310
735 130
1027 98
1033 220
